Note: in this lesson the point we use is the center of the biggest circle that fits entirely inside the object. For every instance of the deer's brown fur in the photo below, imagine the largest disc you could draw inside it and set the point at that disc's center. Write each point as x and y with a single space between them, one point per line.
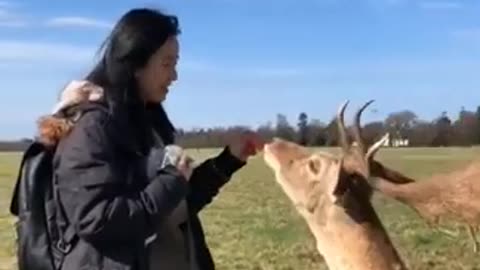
332 196
454 196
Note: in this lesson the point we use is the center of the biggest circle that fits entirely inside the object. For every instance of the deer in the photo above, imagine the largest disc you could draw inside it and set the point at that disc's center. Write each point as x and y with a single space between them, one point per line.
332 195
454 195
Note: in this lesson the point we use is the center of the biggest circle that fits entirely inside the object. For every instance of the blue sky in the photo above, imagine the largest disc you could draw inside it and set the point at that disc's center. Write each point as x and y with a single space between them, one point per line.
282 56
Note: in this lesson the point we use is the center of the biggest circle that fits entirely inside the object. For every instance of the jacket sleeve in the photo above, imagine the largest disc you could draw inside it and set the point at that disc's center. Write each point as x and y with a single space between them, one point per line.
209 177
92 187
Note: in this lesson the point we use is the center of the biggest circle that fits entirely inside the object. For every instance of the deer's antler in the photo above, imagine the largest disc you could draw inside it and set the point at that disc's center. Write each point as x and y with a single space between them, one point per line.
342 133
362 156
357 131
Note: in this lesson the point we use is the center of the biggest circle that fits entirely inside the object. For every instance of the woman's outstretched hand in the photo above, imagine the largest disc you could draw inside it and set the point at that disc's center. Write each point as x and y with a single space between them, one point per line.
186 165
246 145
174 155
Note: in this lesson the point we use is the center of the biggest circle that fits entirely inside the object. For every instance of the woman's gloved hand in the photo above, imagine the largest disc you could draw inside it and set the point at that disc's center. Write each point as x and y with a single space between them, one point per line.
246 145
174 155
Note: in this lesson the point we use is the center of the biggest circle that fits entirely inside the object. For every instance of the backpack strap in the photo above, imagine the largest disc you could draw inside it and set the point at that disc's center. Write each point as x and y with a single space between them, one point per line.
67 234
68 237
32 149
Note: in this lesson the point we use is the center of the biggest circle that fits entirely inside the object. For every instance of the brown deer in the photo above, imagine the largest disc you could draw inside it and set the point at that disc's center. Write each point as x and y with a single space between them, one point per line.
333 197
454 196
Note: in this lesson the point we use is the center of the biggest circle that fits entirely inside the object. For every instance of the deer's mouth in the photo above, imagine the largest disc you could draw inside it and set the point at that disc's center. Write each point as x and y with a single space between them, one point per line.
269 156
283 153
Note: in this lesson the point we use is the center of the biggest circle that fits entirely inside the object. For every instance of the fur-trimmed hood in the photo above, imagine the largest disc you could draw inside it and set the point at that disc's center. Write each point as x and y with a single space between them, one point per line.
56 125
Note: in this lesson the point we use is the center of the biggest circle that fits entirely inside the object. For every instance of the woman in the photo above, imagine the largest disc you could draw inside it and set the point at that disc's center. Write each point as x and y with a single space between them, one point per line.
127 209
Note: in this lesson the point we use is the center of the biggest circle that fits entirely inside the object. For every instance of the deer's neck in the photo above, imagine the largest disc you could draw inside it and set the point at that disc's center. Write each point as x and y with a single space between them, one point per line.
420 191
349 244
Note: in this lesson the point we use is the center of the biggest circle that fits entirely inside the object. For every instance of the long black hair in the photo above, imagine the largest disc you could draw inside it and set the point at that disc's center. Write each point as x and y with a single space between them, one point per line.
133 40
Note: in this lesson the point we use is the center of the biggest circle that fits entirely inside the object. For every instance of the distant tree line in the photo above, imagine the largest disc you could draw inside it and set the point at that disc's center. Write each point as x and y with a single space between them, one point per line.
403 125
14 146
464 130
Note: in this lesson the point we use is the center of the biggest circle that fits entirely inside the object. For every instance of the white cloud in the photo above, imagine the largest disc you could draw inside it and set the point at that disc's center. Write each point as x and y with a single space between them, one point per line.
31 51
10 17
75 21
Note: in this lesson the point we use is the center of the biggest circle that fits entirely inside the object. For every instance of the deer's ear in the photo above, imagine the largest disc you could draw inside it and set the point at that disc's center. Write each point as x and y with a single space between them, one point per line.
338 182
315 167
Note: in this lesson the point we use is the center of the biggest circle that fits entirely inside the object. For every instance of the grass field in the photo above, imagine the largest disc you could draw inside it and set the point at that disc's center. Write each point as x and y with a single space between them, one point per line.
251 225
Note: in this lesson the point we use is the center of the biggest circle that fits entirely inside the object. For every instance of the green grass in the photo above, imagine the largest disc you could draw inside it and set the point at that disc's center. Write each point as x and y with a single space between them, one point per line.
8 170
252 225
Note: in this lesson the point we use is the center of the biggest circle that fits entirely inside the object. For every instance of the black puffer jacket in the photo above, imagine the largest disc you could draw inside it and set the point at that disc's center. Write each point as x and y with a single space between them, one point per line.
113 207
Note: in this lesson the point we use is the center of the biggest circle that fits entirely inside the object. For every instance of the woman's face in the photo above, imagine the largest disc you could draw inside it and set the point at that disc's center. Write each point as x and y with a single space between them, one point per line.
159 72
